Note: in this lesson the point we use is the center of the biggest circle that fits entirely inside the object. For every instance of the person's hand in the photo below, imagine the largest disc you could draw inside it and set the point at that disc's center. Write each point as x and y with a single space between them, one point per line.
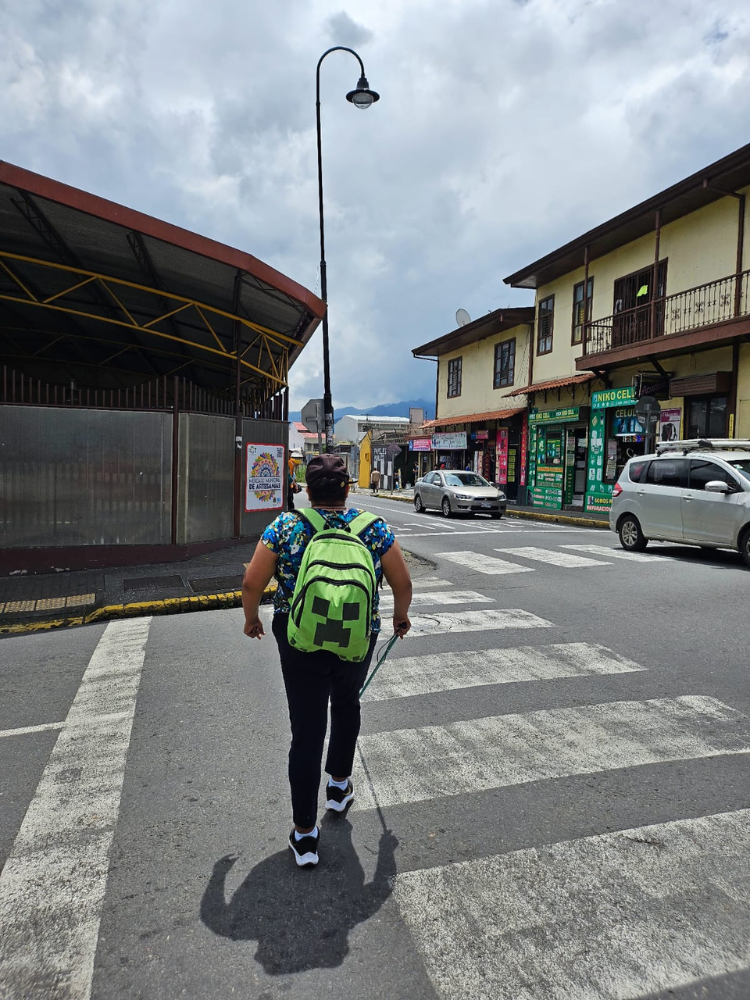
401 626
254 629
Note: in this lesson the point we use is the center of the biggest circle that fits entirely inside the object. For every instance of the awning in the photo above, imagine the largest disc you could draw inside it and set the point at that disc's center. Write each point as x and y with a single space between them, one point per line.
474 418
555 383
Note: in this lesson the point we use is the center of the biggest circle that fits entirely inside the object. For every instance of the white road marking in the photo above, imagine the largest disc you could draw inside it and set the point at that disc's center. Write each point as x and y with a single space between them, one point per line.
551 556
426 581
454 532
27 730
608 917
417 675
413 765
53 883
441 597
605 550
471 621
484 564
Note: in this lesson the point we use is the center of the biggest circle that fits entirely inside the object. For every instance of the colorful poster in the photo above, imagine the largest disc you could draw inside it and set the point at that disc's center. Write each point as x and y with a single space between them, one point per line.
669 425
524 447
420 444
264 477
502 455
481 436
598 493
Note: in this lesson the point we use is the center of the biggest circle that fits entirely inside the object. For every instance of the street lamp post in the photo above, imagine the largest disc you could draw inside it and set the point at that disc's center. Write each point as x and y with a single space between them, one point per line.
361 97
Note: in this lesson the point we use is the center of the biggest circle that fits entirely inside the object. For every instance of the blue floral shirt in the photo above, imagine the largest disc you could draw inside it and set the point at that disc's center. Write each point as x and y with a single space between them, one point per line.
288 536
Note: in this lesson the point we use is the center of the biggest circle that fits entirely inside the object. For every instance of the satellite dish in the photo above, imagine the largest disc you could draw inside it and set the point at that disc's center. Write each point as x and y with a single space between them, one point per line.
462 317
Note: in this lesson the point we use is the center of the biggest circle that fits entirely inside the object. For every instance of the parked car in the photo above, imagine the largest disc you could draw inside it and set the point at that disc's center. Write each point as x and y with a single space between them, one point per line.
694 492
458 493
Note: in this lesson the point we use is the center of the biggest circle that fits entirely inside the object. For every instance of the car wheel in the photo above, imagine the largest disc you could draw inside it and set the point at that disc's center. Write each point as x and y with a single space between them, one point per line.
496 515
446 507
745 546
418 505
631 536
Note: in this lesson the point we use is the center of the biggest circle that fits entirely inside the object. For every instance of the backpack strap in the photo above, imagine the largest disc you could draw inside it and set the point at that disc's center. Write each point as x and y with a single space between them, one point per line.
362 522
313 518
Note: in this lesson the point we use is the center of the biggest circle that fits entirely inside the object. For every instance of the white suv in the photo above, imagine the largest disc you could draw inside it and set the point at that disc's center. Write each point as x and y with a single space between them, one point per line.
694 492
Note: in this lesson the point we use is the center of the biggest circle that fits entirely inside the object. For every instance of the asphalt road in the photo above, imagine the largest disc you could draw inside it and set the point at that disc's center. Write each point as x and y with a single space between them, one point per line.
553 799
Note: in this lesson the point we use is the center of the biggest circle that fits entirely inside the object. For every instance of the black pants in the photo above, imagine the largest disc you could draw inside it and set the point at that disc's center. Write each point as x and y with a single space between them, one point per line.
311 679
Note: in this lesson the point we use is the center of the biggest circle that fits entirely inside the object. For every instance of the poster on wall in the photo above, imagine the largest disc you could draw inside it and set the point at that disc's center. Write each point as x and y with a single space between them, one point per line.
669 424
264 477
452 441
524 447
502 455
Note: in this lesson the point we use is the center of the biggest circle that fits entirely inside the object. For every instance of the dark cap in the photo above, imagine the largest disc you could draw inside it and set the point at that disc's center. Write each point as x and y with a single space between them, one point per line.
326 473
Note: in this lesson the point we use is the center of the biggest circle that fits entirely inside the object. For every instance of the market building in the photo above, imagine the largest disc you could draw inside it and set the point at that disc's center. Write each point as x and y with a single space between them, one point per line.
475 426
144 384
654 302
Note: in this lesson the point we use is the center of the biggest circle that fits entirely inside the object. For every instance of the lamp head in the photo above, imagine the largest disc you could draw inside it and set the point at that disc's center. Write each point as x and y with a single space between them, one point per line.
362 97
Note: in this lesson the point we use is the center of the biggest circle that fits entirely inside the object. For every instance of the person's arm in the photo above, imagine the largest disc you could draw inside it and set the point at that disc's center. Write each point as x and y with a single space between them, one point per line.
257 577
396 573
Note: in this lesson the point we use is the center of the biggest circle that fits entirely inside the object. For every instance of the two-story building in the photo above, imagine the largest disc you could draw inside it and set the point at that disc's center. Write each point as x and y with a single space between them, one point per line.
653 302
475 426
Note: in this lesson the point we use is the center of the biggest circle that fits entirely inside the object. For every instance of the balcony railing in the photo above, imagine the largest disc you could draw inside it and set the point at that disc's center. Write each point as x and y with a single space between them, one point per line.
715 302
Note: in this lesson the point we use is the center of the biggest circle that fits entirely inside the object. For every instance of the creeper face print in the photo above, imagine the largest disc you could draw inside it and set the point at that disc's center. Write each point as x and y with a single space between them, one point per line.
332 629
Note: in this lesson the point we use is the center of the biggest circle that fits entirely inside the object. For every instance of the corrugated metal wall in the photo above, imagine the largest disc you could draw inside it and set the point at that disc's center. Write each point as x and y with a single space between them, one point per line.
205 478
84 477
262 432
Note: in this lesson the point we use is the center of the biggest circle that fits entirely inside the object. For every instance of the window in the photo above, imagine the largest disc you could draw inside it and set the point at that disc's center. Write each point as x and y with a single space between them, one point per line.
544 325
505 363
454 377
636 471
668 472
578 309
707 418
632 305
702 471
431 478
742 465
465 479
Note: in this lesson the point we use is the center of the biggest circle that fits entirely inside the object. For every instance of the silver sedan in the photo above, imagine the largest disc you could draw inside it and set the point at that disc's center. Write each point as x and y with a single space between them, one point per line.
458 493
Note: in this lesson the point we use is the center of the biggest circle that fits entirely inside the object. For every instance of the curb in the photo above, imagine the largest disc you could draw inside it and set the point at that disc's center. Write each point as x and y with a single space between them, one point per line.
113 612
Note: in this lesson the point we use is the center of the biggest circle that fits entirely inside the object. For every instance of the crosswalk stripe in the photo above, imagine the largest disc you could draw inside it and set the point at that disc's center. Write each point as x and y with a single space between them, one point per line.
428 582
607 917
605 550
441 597
418 675
413 765
471 621
551 556
482 563
53 883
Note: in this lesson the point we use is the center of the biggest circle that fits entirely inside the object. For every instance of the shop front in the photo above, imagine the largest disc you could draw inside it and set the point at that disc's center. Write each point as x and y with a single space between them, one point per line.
616 435
420 456
558 447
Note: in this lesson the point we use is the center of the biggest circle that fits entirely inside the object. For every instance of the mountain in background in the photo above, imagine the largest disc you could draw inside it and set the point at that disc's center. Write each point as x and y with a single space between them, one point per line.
383 410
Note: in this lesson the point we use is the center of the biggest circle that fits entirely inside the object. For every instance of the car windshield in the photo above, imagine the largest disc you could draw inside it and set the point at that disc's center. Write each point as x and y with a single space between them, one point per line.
464 479
742 465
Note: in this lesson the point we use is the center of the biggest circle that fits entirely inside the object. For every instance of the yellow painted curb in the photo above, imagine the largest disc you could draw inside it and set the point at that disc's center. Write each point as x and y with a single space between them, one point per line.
578 522
112 612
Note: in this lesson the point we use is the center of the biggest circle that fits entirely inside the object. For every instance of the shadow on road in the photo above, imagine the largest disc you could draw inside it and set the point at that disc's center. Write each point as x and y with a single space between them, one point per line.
301 918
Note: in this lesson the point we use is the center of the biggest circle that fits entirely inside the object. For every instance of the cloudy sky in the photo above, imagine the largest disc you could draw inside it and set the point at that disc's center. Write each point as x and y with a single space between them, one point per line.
505 127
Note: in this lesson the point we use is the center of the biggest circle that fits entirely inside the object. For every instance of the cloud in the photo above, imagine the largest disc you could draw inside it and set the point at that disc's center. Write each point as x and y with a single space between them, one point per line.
503 130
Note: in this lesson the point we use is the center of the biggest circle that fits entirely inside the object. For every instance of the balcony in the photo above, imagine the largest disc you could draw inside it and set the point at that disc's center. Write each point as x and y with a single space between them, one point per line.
709 314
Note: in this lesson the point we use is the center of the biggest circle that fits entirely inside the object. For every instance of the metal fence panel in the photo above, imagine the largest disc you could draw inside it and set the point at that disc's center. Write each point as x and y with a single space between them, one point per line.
84 477
262 432
205 478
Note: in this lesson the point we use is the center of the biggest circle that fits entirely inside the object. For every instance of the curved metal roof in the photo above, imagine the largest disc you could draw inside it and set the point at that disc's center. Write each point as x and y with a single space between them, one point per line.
103 294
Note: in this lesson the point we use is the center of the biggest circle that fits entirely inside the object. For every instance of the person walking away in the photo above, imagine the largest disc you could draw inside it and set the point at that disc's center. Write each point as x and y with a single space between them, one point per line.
375 481
327 667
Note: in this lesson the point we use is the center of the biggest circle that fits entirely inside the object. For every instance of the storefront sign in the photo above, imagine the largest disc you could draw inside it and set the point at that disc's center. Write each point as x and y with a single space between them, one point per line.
264 477
613 397
524 447
550 476
512 454
482 435
420 444
502 456
555 416
542 497
598 493
454 441
669 424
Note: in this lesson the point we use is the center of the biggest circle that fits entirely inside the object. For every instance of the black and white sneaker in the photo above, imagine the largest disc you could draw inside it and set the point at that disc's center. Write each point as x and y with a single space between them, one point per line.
338 799
305 850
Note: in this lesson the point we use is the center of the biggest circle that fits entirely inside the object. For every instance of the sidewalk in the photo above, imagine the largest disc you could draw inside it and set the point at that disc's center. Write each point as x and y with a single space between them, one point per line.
581 518
46 601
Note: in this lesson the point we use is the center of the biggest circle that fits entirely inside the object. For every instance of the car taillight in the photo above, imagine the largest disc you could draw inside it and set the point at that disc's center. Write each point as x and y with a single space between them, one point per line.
617 490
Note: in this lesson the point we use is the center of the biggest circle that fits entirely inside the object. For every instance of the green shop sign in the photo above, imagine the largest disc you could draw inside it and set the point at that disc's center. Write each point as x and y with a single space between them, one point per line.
555 416
613 397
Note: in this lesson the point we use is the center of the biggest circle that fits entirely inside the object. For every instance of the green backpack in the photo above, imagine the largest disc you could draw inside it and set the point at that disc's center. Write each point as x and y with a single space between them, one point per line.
331 608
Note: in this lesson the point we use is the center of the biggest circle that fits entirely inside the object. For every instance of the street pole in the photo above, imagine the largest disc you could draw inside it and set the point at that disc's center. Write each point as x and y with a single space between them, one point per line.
360 97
